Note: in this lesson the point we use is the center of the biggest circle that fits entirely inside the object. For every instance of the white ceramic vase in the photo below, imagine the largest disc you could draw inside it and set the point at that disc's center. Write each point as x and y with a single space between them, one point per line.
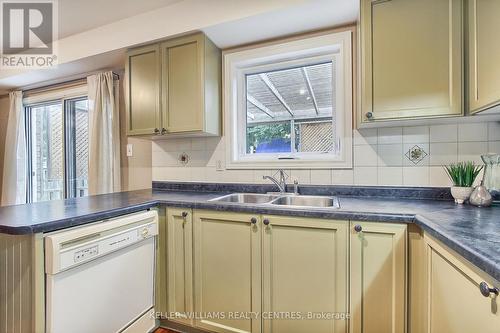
461 194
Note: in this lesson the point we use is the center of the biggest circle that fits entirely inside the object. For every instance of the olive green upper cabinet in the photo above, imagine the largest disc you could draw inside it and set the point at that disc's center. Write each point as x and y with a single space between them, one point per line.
186 71
484 54
143 90
411 59
191 71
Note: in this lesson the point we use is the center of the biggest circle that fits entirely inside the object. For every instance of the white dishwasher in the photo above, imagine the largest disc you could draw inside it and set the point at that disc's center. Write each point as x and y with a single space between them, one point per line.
100 277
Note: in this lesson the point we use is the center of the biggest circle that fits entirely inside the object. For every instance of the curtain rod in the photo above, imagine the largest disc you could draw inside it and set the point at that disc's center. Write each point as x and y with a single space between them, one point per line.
49 87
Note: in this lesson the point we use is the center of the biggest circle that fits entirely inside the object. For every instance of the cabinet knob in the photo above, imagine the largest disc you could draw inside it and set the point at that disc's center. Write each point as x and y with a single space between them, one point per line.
266 221
253 220
184 214
358 228
369 115
486 290
163 131
157 131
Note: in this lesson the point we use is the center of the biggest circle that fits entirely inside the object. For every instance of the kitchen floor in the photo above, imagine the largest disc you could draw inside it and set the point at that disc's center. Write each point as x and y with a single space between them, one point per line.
164 330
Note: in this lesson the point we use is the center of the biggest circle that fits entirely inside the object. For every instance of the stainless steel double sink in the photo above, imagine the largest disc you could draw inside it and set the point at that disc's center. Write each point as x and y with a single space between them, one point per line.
289 200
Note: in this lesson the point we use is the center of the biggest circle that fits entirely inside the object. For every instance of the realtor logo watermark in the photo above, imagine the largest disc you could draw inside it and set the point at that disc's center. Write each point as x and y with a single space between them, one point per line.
28 32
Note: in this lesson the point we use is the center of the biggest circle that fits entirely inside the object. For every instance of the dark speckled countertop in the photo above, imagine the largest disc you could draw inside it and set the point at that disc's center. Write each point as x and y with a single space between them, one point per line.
472 232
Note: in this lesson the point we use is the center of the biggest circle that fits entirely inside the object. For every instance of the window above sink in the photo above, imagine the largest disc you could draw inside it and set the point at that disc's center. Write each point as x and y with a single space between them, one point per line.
289 104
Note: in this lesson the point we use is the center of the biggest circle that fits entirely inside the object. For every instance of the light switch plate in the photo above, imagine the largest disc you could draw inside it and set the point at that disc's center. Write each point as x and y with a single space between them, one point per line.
130 151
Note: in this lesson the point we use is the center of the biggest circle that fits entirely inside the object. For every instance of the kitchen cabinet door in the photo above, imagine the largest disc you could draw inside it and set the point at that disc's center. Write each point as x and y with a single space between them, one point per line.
227 272
483 54
182 65
143 90
411 59
456 303
180 265
378 277
191 77
305 273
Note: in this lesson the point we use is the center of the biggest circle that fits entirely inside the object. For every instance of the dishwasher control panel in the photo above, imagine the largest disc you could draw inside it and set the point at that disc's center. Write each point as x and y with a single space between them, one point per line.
86 253
107 244
67 249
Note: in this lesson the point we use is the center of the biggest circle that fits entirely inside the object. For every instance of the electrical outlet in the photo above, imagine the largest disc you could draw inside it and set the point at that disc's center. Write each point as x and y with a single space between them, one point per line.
130 151
219 166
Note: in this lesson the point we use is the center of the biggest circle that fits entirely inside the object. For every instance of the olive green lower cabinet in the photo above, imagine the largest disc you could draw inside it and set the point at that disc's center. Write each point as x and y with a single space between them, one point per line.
180 265
378 277
456 302
241 272
227 271
305 275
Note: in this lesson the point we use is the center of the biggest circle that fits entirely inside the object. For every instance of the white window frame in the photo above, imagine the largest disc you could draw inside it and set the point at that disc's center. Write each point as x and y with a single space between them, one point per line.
306 51
61 95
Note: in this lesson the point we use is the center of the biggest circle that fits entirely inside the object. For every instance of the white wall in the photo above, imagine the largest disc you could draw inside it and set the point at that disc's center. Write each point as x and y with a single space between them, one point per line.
379 157
136 169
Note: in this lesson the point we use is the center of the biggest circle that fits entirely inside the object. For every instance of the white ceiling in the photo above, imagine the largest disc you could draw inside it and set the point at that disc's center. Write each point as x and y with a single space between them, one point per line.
313 15
76 16
81 19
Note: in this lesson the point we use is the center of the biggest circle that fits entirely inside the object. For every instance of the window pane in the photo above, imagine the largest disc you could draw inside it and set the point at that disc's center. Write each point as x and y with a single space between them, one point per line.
269 138
81 147
77 147
301 98
47 159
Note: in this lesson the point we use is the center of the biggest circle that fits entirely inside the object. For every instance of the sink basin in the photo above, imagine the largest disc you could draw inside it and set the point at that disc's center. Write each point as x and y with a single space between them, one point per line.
307 201
251 198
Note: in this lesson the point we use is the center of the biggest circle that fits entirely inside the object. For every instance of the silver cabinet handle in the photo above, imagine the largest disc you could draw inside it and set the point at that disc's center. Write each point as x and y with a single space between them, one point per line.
253 220
184 214
369 115
358 228
486 291
266 221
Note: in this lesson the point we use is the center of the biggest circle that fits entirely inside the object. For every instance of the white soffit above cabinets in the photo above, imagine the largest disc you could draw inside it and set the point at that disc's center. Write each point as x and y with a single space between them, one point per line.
311 15
76 16
105 38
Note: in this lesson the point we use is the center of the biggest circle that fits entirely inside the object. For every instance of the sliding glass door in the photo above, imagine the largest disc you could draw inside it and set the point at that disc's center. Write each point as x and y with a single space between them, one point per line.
58 149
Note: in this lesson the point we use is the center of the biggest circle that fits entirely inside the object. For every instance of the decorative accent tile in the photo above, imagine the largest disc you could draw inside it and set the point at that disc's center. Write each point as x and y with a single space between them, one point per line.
416 154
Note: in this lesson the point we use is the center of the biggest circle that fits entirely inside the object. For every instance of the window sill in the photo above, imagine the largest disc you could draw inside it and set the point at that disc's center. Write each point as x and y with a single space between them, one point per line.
289 164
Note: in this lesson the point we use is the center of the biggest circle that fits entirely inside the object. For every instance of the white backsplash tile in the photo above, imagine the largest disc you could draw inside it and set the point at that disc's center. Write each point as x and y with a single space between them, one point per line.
379 157
473 132
390 176
472 151
416 176
444 133
365 136
494 131
439 177
342 177
365 176
319 177
303 176
365 155
416 134
390 155
390 135
199 144
494 147
443 153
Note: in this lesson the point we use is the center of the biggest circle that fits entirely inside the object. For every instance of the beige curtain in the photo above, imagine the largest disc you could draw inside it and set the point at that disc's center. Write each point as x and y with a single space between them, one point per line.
14 168
104 131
